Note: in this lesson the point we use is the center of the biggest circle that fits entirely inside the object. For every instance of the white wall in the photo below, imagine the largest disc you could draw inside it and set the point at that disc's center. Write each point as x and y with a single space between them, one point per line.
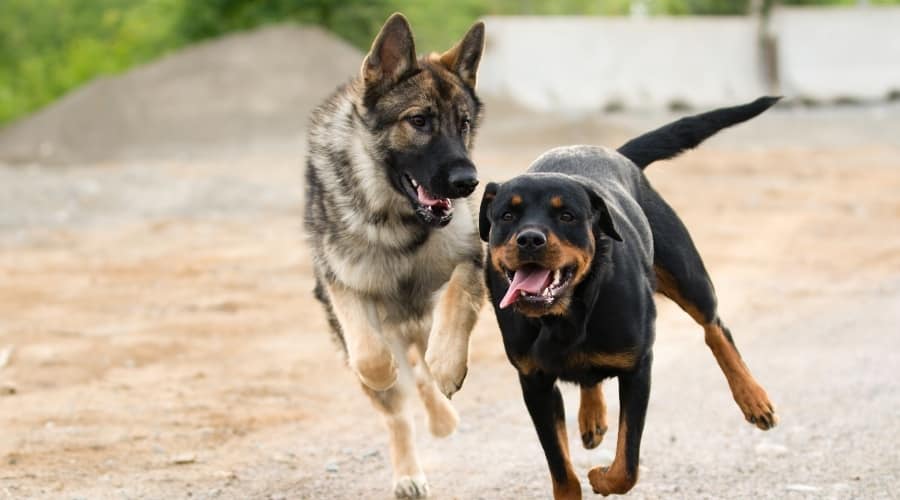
833 53
584 64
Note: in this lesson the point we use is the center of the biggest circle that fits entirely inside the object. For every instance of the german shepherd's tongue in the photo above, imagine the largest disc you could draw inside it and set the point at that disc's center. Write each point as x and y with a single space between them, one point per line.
530 279
427 200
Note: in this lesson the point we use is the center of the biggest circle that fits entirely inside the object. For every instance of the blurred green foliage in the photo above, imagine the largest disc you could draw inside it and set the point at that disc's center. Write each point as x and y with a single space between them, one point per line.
48 47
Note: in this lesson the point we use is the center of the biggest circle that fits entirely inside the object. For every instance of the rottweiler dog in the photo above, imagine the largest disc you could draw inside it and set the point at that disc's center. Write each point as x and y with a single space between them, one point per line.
577 247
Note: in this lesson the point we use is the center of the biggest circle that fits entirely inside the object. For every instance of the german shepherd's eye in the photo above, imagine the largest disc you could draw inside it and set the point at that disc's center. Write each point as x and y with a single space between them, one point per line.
566 217
419 122
465 126
507 216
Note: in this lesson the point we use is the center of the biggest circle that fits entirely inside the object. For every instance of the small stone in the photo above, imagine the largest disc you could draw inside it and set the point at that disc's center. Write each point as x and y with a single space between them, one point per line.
226 475
8 389
331 467
184 458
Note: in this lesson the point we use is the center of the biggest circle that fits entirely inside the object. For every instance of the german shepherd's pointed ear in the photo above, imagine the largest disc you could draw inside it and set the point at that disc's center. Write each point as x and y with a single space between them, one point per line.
484 222
602 218
464 57
393 54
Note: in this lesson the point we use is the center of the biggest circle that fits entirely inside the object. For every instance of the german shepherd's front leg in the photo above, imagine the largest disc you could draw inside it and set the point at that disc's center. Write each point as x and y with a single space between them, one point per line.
634 393
447 355
368 354
545 405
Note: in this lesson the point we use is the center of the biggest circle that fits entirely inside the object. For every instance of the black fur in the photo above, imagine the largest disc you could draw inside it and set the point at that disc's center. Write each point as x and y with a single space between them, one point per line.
603 325
687 133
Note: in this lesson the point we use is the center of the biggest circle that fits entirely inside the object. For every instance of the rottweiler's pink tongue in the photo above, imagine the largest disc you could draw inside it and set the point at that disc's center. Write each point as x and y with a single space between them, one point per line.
528 279
426 199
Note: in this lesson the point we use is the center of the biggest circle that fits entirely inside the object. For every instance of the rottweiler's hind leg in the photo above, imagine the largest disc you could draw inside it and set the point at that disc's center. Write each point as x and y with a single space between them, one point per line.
682 277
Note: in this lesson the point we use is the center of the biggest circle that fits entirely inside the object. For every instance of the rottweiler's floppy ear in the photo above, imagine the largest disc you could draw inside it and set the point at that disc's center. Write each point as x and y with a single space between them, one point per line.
484 222
393 53
601 215
464 57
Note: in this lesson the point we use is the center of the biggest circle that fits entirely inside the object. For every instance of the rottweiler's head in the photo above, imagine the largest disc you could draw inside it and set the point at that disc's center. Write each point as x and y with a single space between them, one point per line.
543 231
423 115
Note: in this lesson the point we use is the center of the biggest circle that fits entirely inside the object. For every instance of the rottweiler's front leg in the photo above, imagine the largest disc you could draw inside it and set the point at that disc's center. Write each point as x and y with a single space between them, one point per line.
622 474
545 405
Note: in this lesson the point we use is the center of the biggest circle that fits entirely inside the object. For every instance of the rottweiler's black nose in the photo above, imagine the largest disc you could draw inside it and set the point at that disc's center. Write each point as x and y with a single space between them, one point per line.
531 239
463 181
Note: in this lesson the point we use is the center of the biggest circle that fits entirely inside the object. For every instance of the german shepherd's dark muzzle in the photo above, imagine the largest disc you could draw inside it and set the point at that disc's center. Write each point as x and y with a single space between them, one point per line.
432 176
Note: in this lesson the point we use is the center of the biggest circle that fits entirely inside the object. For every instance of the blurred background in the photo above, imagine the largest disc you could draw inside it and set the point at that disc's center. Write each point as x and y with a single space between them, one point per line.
158 336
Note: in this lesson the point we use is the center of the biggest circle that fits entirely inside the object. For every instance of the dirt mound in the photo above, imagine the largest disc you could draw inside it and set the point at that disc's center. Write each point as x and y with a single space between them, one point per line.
234 93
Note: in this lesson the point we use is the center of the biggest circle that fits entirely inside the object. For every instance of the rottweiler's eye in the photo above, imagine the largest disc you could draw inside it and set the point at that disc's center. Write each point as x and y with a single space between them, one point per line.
418 121
507 216
566 217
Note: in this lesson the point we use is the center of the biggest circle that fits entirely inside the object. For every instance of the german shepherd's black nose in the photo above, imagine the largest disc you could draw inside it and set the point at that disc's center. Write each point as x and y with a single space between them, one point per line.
531 239
462 181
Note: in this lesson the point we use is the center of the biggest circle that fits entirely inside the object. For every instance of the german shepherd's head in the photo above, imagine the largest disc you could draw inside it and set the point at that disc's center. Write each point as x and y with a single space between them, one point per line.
422 115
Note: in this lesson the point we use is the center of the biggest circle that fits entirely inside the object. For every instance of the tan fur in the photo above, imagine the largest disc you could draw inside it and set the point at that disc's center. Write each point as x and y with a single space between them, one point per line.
619 360
442 417
614 479
559 254
571 488
368 354
749 395
456 314
592 416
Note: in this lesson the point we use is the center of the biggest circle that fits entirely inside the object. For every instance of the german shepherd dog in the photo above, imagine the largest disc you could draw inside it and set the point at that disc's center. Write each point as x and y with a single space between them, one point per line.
576 248
397 258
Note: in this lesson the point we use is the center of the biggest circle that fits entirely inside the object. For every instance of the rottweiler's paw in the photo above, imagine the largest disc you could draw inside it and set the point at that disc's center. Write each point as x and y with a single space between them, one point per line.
755 404
592 439
411 487
606 483
593 428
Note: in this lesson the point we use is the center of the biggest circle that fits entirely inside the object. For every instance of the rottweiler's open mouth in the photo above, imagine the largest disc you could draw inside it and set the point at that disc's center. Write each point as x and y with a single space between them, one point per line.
433 211
536 285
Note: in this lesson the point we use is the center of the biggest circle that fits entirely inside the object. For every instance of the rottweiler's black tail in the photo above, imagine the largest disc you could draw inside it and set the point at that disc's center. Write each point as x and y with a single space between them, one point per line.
687 133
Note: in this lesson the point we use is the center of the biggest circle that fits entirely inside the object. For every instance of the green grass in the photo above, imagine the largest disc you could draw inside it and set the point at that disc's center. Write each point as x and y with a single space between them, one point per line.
48 47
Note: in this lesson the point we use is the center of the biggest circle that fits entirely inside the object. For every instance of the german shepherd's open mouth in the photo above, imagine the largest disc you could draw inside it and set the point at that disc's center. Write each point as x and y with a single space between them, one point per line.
431 210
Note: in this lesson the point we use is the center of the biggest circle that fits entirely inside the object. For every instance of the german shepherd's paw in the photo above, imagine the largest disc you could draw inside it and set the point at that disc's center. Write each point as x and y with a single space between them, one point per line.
442 417
448 368
411 486
379 373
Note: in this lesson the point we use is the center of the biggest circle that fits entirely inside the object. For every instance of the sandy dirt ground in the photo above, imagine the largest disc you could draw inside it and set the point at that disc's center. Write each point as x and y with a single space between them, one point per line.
163 342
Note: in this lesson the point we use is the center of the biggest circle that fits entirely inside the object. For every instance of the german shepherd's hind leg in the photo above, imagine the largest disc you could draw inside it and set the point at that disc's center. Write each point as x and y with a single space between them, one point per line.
634 394
592 416
442 417
409 479
368 353
682 277
455 316
545 406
